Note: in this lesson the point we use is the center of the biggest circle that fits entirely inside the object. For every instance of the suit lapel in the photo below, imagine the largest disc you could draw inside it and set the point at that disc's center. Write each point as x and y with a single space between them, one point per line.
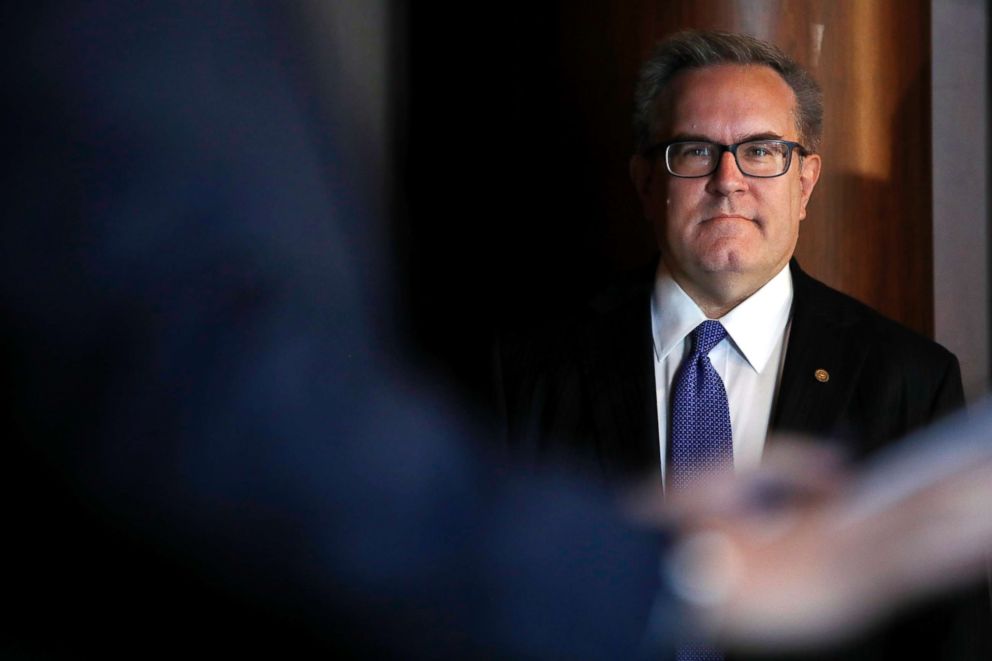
823 361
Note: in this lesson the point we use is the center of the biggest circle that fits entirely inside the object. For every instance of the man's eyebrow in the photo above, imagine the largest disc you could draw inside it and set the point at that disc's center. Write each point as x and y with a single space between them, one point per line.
690 137
698 137
767 135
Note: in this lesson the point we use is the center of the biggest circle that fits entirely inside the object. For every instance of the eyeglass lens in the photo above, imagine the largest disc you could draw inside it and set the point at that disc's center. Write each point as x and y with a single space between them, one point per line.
758 158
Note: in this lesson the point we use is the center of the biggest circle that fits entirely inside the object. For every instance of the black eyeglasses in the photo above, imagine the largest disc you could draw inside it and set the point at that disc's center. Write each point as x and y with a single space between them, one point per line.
755 158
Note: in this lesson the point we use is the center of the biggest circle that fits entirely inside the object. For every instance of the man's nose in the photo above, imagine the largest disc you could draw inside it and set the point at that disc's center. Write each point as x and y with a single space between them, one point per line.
727 178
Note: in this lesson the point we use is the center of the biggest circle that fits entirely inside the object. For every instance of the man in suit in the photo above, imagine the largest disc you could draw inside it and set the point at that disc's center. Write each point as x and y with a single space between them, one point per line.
728 130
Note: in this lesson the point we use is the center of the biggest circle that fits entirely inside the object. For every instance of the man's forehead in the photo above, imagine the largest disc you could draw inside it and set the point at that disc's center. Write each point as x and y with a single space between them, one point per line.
744 99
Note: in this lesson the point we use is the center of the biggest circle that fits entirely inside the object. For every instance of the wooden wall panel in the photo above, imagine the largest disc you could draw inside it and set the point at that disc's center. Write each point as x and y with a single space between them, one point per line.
870 231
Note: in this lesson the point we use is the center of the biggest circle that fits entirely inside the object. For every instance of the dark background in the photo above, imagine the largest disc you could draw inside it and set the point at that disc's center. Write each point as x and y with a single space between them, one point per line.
502 210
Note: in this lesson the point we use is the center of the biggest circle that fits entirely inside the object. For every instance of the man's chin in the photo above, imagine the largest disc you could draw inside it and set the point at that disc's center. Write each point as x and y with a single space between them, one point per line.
724 261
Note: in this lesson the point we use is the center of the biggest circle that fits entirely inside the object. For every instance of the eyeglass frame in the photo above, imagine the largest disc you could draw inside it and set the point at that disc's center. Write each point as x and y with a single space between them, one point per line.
733 150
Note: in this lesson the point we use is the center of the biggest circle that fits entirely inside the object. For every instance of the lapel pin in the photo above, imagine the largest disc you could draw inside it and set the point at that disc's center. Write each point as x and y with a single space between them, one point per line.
822 375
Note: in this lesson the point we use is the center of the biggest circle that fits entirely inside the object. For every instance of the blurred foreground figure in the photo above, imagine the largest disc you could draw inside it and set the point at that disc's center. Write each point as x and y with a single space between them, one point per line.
802 556
212 452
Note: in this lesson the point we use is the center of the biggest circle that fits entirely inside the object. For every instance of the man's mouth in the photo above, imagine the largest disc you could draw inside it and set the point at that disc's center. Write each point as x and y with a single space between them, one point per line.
726 216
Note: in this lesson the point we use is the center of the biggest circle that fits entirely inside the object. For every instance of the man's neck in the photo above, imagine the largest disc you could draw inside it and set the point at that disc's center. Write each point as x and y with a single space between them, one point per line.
715 302
714 309
718 296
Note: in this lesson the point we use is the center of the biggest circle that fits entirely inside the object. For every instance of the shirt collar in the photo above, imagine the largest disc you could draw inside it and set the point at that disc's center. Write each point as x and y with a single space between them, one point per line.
755 326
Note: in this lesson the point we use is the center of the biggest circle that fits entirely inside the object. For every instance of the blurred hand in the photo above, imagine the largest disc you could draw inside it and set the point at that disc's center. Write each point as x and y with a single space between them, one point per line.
787 558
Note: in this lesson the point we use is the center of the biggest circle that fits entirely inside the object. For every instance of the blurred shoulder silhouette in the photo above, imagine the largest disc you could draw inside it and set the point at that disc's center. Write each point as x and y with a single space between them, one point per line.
212 446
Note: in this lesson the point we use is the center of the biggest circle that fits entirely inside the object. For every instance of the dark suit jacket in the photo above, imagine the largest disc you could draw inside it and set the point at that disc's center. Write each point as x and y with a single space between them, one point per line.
584 391
586 388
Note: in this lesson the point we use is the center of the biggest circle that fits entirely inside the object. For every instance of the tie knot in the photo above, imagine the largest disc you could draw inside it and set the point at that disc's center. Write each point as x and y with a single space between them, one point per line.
706 336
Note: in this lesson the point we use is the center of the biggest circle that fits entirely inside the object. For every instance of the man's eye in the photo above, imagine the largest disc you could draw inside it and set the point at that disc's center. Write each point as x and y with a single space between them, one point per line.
696 151
762 150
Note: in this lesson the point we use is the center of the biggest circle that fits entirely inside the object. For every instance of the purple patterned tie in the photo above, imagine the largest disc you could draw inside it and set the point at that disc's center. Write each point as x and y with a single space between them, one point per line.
700 434
700 437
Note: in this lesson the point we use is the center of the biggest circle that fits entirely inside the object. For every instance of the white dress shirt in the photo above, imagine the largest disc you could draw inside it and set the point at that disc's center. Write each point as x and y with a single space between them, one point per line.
749 359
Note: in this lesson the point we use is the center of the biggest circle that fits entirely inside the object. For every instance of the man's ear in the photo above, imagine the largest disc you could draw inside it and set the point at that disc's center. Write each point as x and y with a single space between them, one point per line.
809 174
641 171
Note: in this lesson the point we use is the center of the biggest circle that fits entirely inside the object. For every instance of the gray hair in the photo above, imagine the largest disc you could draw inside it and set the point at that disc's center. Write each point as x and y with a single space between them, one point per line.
696 49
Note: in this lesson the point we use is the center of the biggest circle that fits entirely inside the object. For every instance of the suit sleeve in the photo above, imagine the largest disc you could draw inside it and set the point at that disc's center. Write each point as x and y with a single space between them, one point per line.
949 396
